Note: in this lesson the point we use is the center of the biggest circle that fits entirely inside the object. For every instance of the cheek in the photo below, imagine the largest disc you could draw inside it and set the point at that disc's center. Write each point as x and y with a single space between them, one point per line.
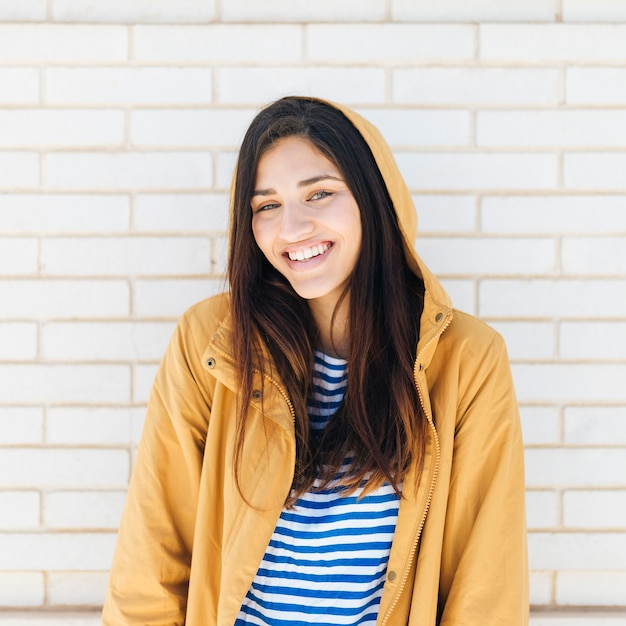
261 236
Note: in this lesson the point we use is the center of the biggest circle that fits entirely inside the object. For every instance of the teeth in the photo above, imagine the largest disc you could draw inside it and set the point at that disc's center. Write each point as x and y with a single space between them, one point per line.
308 253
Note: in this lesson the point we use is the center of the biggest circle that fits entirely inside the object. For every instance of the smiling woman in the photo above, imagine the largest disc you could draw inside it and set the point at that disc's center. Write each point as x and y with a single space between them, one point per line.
330 442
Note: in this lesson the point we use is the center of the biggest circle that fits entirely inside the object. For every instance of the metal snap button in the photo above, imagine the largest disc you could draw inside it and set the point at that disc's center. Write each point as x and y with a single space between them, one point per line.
439 317
391 576
256 394
210 363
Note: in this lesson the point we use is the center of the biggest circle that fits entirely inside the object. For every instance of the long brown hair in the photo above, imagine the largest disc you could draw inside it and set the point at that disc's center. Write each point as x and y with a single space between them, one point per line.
380 423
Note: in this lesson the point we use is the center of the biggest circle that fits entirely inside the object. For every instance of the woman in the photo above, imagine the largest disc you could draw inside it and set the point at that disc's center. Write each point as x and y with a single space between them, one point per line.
330 442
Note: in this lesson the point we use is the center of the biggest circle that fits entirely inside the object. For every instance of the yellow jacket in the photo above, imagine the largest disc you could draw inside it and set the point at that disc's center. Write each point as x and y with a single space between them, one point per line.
189 546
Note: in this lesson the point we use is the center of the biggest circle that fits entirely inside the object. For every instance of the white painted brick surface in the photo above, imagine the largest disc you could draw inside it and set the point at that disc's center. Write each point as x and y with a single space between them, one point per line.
135 11
595 425
21 425
402 43
19 85
119 126
128 85
63 214
553 42
304 11
173 213
489 86
229 44
21 589
60 43
473 10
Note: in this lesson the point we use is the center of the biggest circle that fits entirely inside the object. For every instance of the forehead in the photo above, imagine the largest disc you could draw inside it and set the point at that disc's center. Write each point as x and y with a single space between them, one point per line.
293 156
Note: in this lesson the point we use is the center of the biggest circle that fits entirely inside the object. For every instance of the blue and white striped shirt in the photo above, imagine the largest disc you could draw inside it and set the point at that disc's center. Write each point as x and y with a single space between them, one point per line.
327 559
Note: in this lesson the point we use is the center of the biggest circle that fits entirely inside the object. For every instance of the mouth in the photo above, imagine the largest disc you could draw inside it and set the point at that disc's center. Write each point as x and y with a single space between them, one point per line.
308 253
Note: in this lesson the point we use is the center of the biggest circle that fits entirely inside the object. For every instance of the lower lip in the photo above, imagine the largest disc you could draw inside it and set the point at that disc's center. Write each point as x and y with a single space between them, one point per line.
313 262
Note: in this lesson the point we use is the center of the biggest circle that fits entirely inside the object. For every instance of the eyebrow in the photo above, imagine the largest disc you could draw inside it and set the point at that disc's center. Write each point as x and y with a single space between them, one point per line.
302 183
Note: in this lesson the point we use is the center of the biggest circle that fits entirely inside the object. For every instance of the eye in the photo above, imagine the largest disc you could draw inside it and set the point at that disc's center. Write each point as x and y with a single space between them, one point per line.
318 195
265 207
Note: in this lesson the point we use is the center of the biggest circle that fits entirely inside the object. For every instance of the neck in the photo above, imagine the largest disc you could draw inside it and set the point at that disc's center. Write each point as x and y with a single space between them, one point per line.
333 335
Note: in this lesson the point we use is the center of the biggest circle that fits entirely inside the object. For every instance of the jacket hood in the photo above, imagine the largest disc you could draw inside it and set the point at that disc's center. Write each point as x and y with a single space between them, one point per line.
401 198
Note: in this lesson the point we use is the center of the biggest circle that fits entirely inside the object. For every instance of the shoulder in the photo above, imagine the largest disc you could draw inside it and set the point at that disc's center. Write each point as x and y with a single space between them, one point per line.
199 323
468 333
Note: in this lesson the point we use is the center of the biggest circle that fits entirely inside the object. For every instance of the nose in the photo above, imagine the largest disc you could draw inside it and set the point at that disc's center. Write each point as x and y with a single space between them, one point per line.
296 223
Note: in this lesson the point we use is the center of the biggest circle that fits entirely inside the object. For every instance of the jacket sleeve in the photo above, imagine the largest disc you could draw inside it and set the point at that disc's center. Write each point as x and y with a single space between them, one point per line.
150 572
484 570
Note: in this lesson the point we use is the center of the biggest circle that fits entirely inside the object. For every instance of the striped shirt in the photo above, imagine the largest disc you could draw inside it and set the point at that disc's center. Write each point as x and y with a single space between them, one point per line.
327 558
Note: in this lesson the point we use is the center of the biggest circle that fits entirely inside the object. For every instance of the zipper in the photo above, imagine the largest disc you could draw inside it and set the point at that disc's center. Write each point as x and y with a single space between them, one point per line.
431 489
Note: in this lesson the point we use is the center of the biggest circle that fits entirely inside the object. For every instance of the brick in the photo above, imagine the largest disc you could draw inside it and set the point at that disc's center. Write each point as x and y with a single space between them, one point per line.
577 551
145 170
462 256
50 213
528 340
76 589
569 382
420 127
46 43
19 85
191 213
137 423
21 590
552 42
25 10
56 127
578 618
582 588
19 256
594 256
226 163
595 509
542 509
540 424
169 11
92 426
541 592
57 551
63 468
400 43
304 11
83 509
141 256
445 213
18 341
260 85
593 340
188 127
448 171
597 170
595 425
555 215
19 170
552 298
72 299
605 86
463 294
170 298
218 43
21 425
486 86
128 85
143 378
593 11
31 384
110 341
575 467
551 128
19 509
473 11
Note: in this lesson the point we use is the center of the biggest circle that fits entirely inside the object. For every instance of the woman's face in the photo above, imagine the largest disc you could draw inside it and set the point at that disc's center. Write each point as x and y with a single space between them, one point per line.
305 219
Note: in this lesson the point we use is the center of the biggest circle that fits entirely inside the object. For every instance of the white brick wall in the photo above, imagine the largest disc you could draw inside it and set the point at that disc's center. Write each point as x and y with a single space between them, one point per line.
119 125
